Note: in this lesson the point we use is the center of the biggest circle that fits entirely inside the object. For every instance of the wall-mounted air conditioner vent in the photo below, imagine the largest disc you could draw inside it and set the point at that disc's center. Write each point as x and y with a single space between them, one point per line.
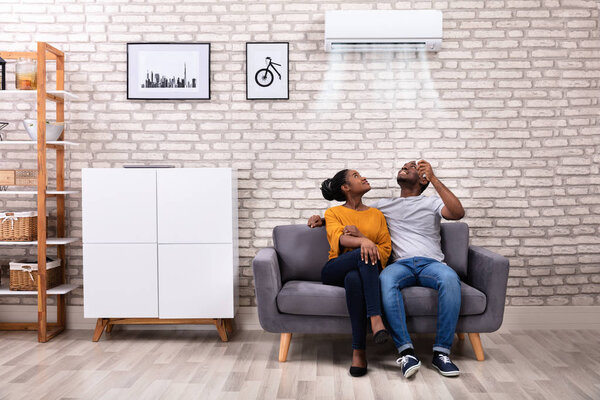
383 30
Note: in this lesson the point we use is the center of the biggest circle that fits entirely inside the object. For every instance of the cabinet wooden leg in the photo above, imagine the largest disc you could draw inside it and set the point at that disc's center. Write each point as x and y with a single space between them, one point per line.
220 324
229 326
461 336
100 325
284 346
109 328
477 348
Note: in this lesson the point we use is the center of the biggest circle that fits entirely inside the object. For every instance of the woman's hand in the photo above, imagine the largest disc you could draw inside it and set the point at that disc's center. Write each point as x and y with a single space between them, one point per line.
369 252
352 230
315 221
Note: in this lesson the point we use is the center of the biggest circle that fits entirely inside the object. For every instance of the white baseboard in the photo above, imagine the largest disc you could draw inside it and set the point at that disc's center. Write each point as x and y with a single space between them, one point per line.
551 317
526 317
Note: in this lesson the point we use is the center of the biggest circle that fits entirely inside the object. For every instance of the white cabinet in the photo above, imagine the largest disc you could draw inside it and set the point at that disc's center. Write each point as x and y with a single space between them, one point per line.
120 280
192 283
194 206
160 243
119 205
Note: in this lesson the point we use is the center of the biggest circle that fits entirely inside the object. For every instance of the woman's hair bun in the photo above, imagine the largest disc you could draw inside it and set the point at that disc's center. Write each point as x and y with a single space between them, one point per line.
332 188
326 190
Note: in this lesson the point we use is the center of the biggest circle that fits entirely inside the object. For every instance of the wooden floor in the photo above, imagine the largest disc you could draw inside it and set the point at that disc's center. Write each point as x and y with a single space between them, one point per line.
197 365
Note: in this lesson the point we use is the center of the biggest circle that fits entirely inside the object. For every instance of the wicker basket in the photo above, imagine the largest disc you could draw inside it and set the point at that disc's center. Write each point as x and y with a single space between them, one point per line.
18 226
19 177
26 177
24 275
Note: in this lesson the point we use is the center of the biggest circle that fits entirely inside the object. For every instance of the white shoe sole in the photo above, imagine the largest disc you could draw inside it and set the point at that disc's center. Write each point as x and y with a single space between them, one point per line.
412 370
455 373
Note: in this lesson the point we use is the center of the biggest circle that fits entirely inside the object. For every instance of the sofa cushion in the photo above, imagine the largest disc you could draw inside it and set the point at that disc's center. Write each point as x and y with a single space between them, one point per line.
302 251
419 300
312 298
315 298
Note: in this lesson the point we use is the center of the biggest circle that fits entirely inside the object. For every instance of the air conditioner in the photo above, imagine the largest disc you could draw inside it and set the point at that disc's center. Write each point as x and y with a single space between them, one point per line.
383 30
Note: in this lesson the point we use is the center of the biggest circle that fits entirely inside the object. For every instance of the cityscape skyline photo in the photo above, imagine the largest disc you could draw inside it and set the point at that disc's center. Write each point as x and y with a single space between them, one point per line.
158 81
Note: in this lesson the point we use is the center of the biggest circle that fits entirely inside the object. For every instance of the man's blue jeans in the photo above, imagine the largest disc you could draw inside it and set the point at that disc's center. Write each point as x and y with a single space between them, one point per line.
426 272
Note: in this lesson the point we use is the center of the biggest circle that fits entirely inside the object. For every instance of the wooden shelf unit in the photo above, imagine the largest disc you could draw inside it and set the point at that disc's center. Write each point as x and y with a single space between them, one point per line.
46 331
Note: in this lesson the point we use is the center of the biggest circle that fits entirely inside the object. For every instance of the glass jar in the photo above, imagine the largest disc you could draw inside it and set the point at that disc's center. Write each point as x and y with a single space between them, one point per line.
26 72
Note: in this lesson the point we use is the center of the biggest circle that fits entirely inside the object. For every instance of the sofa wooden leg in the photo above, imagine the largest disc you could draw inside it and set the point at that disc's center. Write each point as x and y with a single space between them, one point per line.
477 348
461 336
284 346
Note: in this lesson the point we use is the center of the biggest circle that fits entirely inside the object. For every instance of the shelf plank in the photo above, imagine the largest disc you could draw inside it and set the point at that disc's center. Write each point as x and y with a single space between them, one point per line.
34 192
63 94
55 142
60 289
15 55
49 242
62 192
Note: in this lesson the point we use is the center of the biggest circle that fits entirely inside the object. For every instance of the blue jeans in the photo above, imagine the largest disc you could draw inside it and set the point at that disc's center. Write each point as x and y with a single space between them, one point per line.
426 272
361 281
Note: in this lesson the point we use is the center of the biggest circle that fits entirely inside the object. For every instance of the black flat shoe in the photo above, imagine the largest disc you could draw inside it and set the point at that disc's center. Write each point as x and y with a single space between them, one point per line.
358 371
381 336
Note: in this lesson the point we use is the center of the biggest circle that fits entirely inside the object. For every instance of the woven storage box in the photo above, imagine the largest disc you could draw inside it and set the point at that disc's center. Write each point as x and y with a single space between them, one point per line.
24 275
18 226
19 177
26 177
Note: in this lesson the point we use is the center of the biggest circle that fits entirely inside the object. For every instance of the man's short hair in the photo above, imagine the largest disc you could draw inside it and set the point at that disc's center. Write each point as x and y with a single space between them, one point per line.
424 186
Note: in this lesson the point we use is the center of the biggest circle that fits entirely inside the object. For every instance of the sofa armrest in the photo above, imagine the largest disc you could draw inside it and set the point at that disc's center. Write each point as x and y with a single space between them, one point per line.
267 283
487 272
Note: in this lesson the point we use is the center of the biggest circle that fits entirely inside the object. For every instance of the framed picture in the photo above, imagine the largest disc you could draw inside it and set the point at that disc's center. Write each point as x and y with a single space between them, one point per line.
267 68
168 71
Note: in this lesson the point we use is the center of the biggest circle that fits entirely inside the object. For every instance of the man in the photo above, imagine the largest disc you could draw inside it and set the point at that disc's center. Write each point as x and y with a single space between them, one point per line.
414 224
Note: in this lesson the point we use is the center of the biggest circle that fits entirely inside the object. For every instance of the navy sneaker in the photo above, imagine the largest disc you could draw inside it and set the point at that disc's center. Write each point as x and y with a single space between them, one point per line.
445 366
409 364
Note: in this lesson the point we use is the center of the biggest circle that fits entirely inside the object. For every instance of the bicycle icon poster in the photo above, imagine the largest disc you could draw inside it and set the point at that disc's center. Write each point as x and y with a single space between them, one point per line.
267 68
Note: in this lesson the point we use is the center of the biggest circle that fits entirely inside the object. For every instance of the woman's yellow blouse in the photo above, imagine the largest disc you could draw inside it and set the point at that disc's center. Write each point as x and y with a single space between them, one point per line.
370 223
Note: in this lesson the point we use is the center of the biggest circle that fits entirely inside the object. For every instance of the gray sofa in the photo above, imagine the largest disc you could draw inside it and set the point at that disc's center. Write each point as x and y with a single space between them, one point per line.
291 298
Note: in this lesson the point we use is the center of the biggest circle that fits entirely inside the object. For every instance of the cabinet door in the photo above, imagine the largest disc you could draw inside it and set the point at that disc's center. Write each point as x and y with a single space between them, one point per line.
195 280
194 205
119 205
120 280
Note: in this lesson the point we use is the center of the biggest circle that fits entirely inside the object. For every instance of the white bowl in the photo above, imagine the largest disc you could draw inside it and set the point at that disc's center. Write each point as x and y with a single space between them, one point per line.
53 129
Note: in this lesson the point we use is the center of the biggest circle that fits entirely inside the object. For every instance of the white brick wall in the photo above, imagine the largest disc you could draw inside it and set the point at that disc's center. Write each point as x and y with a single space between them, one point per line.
507 113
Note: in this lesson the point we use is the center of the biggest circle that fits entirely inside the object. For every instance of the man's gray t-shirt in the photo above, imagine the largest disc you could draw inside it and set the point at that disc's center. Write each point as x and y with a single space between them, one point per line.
414 225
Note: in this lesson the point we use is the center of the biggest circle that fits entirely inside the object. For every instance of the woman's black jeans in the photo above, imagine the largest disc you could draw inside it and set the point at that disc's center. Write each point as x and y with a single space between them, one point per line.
361 281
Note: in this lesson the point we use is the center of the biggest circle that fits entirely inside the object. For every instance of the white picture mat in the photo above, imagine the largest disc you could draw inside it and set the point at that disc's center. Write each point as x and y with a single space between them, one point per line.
168 60
256 55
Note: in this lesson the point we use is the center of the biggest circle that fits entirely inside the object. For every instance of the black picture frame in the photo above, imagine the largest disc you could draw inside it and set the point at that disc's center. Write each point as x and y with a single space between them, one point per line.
206 45
287 66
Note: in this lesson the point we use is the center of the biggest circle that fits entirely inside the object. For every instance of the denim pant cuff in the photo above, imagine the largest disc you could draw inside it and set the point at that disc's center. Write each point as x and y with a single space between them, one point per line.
442 350
404 347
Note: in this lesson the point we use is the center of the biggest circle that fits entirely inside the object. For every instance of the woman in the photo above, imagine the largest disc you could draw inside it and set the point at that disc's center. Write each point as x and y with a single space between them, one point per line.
359 246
